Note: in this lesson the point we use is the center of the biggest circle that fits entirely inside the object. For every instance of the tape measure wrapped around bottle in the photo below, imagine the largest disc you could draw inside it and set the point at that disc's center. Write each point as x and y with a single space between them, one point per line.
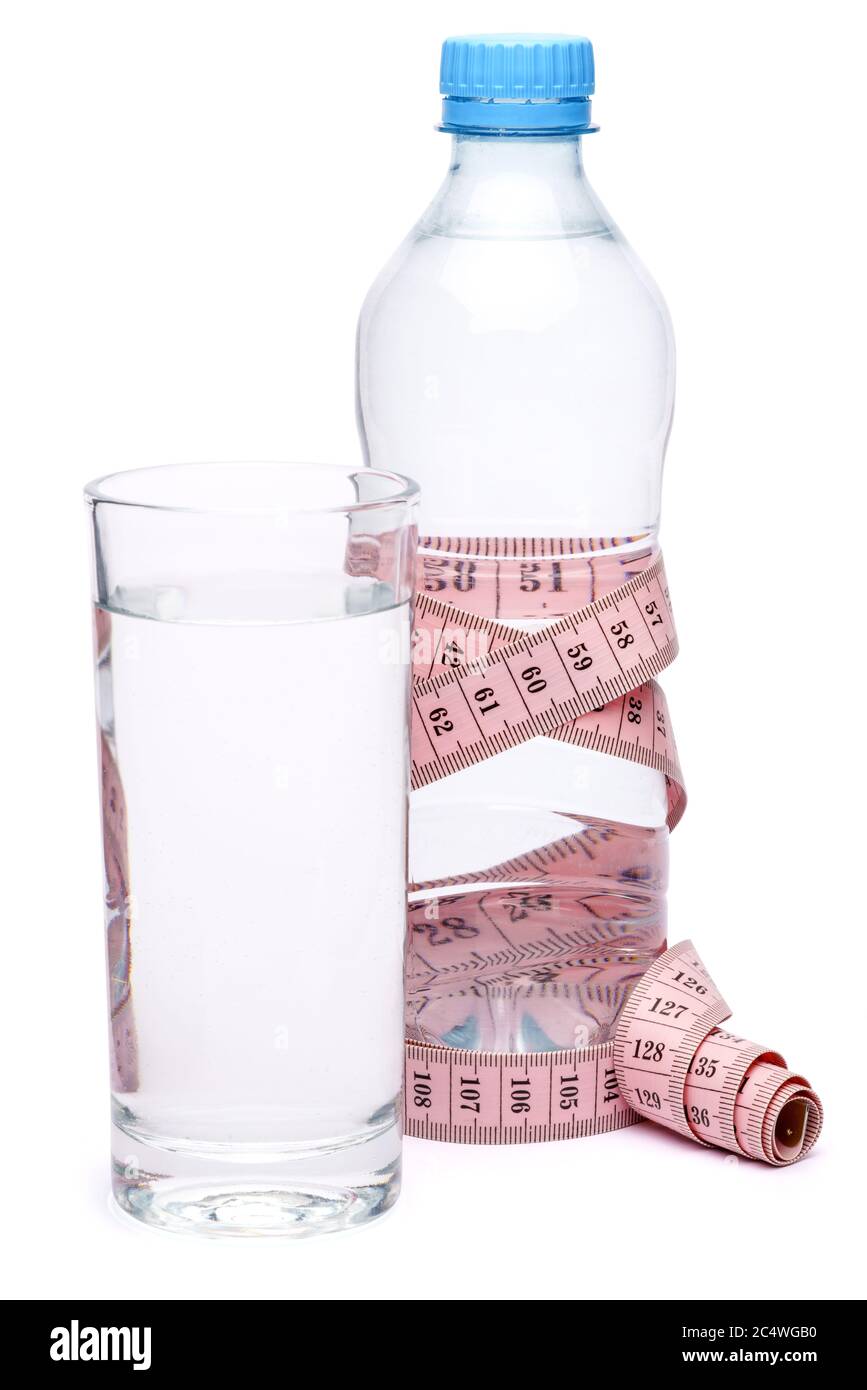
480 687
585 676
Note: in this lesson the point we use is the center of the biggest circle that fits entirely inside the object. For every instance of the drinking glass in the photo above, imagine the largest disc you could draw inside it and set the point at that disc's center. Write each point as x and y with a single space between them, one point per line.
252 669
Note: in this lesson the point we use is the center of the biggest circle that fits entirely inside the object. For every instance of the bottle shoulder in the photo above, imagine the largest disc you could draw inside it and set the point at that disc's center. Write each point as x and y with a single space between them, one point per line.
520 228
582 283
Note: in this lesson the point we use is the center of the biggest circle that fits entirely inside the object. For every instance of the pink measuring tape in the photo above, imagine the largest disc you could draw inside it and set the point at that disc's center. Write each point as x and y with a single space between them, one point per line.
587 677
669 1062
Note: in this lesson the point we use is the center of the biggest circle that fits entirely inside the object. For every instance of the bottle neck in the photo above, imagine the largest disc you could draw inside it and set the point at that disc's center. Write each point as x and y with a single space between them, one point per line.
546 157
513 187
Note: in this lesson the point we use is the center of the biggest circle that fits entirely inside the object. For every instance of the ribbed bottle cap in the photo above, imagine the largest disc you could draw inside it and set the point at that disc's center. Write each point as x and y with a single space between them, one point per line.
517 83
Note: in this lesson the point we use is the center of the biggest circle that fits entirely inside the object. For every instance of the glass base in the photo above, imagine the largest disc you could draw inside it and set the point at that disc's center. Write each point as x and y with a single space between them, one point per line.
237 1193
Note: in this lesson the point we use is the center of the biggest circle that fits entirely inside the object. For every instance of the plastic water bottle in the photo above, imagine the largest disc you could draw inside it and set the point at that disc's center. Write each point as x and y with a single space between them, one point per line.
515 357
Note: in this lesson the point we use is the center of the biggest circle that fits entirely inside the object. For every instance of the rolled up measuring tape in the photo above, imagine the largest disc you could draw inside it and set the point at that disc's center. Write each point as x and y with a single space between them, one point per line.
481 685
669 1061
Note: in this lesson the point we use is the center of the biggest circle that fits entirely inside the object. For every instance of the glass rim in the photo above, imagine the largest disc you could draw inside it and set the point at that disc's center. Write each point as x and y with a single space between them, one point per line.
406 490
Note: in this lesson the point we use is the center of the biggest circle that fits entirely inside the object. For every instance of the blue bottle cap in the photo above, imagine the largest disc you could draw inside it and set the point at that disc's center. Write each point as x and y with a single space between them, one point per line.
517 84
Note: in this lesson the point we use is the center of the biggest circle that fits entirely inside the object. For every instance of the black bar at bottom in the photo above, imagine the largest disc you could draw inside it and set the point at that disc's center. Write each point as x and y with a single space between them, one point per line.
153 1338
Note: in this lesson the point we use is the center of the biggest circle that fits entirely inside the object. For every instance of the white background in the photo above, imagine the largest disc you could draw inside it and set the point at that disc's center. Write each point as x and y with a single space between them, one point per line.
196 194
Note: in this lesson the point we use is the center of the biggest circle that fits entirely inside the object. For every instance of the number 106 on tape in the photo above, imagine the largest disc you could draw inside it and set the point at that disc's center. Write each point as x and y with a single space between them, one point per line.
506 1098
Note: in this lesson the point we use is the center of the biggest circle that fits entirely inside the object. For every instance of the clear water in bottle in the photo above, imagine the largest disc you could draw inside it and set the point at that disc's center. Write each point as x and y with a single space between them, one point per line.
516 358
